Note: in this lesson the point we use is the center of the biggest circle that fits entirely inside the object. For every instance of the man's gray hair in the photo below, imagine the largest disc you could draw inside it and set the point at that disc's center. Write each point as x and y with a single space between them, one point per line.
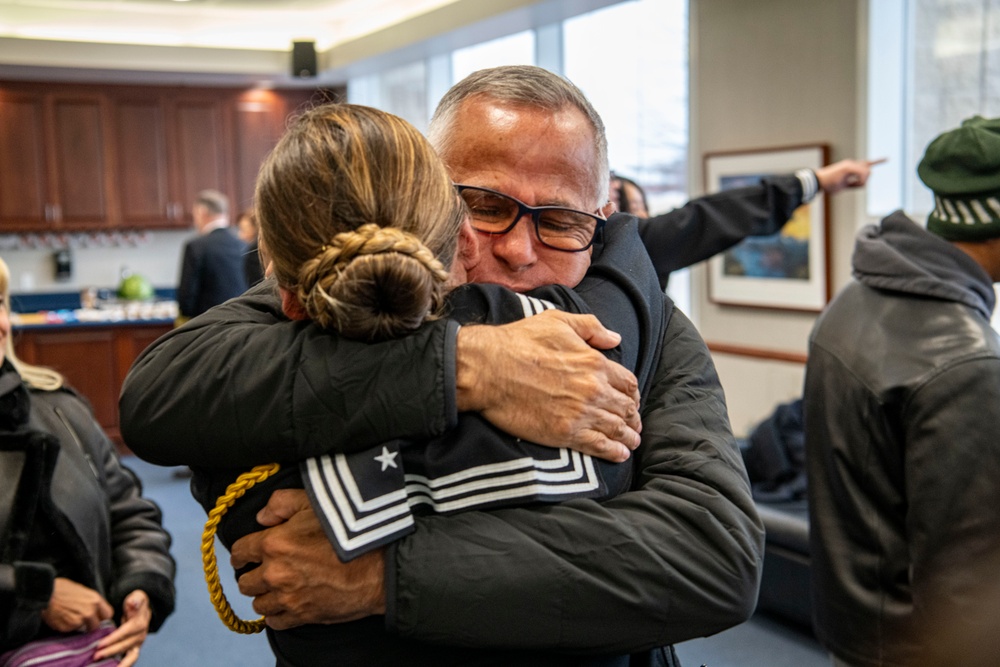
214 201
524 85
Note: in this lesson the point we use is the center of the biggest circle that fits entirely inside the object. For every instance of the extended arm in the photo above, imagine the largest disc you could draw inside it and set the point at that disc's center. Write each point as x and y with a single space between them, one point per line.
713 223
708 225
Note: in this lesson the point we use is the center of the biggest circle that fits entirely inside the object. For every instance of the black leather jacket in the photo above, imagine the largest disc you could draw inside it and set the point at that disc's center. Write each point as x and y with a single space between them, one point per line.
901 406
60 475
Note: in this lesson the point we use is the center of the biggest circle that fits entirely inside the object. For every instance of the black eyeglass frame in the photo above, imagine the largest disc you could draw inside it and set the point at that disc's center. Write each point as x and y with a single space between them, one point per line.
535 212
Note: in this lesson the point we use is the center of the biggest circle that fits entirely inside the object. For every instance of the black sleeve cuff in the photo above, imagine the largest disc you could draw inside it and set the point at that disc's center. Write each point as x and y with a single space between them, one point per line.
33 582
159 589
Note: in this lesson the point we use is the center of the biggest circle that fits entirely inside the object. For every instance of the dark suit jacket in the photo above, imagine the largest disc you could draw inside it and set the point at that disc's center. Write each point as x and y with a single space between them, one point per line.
211 271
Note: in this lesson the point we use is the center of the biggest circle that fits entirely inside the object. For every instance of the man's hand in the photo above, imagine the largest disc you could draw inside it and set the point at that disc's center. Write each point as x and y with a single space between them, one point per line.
74 607
542 379
845 174
300 579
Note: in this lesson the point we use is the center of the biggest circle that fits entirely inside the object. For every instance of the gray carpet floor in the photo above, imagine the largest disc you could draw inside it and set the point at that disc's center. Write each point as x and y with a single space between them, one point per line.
194 635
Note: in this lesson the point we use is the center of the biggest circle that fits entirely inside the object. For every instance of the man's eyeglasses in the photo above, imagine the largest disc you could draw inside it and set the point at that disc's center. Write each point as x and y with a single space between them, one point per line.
558 228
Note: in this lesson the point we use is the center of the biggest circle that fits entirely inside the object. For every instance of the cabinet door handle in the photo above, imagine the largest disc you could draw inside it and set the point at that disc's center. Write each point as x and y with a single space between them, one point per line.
56 213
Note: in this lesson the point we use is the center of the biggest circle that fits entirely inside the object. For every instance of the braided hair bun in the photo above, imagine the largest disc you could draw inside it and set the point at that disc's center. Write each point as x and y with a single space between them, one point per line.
372 283
360 220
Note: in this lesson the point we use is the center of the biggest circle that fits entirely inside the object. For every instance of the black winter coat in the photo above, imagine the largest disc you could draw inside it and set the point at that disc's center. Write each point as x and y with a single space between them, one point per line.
61 476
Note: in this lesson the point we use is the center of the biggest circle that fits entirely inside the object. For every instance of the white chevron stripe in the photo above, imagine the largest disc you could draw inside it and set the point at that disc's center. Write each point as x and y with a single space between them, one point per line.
332 518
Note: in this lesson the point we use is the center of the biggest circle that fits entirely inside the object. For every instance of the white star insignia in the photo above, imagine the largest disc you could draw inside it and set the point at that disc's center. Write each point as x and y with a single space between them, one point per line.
387 459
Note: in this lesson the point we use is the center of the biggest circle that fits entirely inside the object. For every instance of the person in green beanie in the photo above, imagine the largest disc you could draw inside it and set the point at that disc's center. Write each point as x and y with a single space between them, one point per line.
902 398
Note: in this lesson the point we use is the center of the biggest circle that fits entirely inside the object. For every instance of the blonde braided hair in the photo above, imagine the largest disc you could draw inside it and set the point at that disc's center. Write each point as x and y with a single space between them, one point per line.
372 283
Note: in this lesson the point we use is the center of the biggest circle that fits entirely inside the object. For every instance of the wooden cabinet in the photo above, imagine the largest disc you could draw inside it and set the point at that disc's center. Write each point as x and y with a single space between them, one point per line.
23 179
143 168
86 157
260 120
201 137
168 148
53 149
83 182
93 359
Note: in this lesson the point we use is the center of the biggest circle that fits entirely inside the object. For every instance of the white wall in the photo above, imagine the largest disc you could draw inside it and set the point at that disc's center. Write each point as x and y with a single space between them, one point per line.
157 257
774 73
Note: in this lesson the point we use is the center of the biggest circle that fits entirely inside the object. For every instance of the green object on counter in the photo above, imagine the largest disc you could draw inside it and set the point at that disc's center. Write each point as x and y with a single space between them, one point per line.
135 288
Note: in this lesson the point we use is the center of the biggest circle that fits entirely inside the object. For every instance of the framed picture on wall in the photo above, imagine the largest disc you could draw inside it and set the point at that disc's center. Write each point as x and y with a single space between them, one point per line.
788 270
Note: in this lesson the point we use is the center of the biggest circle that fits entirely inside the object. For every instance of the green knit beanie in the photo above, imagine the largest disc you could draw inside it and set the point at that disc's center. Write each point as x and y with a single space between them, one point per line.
962 168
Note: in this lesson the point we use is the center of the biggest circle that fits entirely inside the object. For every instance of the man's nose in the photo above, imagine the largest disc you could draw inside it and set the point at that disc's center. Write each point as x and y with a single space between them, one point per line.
517 247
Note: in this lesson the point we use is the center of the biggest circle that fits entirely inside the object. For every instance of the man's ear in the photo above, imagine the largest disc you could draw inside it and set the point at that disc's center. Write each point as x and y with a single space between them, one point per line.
608 209
291 305
468 246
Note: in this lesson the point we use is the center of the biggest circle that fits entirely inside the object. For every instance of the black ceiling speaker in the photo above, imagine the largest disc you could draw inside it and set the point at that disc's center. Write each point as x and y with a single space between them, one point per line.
303 59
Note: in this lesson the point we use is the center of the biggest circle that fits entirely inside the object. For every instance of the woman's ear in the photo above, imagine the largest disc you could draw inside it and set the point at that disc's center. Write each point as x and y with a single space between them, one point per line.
291 305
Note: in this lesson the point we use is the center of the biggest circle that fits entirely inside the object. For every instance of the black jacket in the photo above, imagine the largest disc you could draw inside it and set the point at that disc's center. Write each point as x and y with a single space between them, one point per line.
211 271
902 398
63 487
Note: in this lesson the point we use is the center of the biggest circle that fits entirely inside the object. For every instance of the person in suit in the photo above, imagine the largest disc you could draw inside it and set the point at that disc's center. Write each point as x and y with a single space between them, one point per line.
212 266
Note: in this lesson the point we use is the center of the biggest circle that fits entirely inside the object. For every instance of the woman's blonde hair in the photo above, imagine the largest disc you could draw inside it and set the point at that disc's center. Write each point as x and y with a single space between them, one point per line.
360 220
35 377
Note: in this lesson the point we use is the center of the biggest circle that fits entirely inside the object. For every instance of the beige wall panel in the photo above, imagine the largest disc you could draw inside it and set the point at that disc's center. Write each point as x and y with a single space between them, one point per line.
755 386
773 73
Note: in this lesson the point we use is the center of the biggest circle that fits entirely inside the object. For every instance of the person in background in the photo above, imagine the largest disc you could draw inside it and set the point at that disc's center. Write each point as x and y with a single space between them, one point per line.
79 545
628 196
713 223
902 401
253 261
212 263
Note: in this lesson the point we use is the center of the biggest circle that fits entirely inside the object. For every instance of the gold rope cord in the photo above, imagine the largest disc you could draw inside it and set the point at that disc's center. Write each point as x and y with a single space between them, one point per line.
234 492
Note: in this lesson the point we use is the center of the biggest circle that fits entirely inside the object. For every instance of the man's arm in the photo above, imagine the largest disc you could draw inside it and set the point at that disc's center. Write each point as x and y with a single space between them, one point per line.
677 557
194 397
708 225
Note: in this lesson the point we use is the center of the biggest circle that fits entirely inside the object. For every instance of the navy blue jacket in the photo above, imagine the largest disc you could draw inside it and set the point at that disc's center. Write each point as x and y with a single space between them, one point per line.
211 271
